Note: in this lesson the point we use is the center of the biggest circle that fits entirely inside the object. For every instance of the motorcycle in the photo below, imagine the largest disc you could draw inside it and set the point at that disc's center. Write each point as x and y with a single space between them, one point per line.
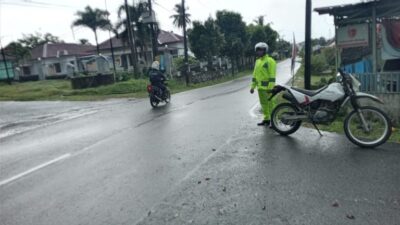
157 96
365 126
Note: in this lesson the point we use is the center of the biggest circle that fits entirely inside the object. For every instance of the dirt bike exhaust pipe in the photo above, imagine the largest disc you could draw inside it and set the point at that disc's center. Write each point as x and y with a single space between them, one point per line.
295 118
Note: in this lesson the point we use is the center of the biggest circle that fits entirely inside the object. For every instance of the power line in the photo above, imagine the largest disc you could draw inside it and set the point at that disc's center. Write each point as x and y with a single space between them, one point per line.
205 6
31 3
163 7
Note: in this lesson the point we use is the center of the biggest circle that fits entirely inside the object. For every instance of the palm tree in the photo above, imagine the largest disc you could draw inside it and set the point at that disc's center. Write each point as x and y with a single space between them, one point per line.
178 17
142 30
94 19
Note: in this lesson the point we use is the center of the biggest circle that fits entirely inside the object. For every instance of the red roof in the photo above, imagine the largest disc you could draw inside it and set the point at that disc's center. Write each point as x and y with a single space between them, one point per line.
50 50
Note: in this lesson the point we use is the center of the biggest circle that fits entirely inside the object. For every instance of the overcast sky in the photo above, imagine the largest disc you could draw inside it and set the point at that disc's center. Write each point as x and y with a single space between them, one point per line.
19 17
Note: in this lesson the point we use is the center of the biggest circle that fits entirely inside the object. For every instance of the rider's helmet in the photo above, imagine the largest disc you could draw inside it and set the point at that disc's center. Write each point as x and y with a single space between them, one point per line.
155 65
261 45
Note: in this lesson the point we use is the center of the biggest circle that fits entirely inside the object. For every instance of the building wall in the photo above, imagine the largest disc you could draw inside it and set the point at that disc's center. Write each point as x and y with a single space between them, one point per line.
47 67
122 61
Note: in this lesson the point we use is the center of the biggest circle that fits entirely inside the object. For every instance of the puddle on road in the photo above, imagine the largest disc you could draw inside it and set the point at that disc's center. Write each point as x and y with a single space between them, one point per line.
17 127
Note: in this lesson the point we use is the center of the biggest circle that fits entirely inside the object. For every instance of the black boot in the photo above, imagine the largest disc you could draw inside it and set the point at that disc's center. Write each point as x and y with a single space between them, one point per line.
264 123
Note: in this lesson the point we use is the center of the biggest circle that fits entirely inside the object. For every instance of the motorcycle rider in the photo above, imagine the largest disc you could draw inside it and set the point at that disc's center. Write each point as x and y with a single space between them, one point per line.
264 80
156 77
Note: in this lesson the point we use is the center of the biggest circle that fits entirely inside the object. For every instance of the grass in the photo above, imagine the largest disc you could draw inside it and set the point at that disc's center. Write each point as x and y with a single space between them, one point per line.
62 90
337 125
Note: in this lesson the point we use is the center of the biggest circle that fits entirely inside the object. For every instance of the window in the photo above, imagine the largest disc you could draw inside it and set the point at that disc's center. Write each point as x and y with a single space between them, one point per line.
26 70
57 67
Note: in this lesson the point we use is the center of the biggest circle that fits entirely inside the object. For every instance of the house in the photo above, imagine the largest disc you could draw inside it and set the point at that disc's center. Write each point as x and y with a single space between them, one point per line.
169 44
172 41
367 41
52 60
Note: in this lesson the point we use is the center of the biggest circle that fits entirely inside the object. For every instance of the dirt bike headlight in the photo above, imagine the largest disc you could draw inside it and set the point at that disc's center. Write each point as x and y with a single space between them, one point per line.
339 78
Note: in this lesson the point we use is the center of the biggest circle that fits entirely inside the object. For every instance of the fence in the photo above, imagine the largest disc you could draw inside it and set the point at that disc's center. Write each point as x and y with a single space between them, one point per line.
380 83
203 76
386 86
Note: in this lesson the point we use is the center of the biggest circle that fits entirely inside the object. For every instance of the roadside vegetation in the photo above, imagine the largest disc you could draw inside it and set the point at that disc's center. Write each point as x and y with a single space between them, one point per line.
62 90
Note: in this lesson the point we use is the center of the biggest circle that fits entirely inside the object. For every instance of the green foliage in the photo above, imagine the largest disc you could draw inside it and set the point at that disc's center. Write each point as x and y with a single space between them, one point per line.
330 56
143 31
94 19
234 30
30 41
178 18
17 50
123 76
318 64
259 20
284 48
272 35
205 39
179 62
61 89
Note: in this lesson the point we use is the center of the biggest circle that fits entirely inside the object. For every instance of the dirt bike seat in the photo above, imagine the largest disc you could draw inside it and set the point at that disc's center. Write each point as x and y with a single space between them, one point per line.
310 92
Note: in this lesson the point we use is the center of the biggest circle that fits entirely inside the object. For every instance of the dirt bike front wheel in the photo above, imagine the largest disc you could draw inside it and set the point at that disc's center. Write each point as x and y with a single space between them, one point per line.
368 127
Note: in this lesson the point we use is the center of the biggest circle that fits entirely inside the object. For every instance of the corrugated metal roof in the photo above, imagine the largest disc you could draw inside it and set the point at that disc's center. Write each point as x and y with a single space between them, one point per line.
359 12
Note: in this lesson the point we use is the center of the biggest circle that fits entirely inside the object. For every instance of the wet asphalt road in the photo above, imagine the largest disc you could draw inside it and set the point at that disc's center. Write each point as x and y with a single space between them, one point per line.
199 160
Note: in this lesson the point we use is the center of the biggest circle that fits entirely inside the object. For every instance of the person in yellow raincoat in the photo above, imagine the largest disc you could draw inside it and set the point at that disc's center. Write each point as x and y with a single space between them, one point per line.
264 80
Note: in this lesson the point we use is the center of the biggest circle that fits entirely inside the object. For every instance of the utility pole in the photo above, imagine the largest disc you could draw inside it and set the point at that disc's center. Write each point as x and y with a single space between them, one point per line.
153 32
111 43
307 50
185 43
131 39
5 64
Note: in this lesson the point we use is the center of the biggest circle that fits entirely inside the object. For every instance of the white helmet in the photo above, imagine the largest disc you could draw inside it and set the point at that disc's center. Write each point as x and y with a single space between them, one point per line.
155 65
261 45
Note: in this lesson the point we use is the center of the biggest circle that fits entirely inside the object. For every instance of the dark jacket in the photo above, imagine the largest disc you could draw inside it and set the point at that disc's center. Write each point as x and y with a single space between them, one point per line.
156 77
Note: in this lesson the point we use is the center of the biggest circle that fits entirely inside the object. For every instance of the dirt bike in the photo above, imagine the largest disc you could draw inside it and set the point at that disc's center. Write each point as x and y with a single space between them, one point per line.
157 96
365 126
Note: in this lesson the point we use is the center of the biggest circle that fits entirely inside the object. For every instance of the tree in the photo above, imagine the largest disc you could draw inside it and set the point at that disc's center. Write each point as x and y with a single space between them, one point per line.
318 64
259 20
255 33
30 41
272 37
284 48
330 56
17 50
84 41
234 30
93 19
178 17
206 40
142 31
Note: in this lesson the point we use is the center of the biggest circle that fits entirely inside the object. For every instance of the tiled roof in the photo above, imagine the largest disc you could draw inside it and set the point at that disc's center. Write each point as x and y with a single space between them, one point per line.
50 50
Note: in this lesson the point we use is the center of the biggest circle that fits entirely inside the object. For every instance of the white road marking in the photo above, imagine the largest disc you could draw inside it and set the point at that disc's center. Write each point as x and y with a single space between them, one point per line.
18 176
253 109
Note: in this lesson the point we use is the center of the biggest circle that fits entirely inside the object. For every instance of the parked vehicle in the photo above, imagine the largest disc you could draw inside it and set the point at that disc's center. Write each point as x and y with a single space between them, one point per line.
365 126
